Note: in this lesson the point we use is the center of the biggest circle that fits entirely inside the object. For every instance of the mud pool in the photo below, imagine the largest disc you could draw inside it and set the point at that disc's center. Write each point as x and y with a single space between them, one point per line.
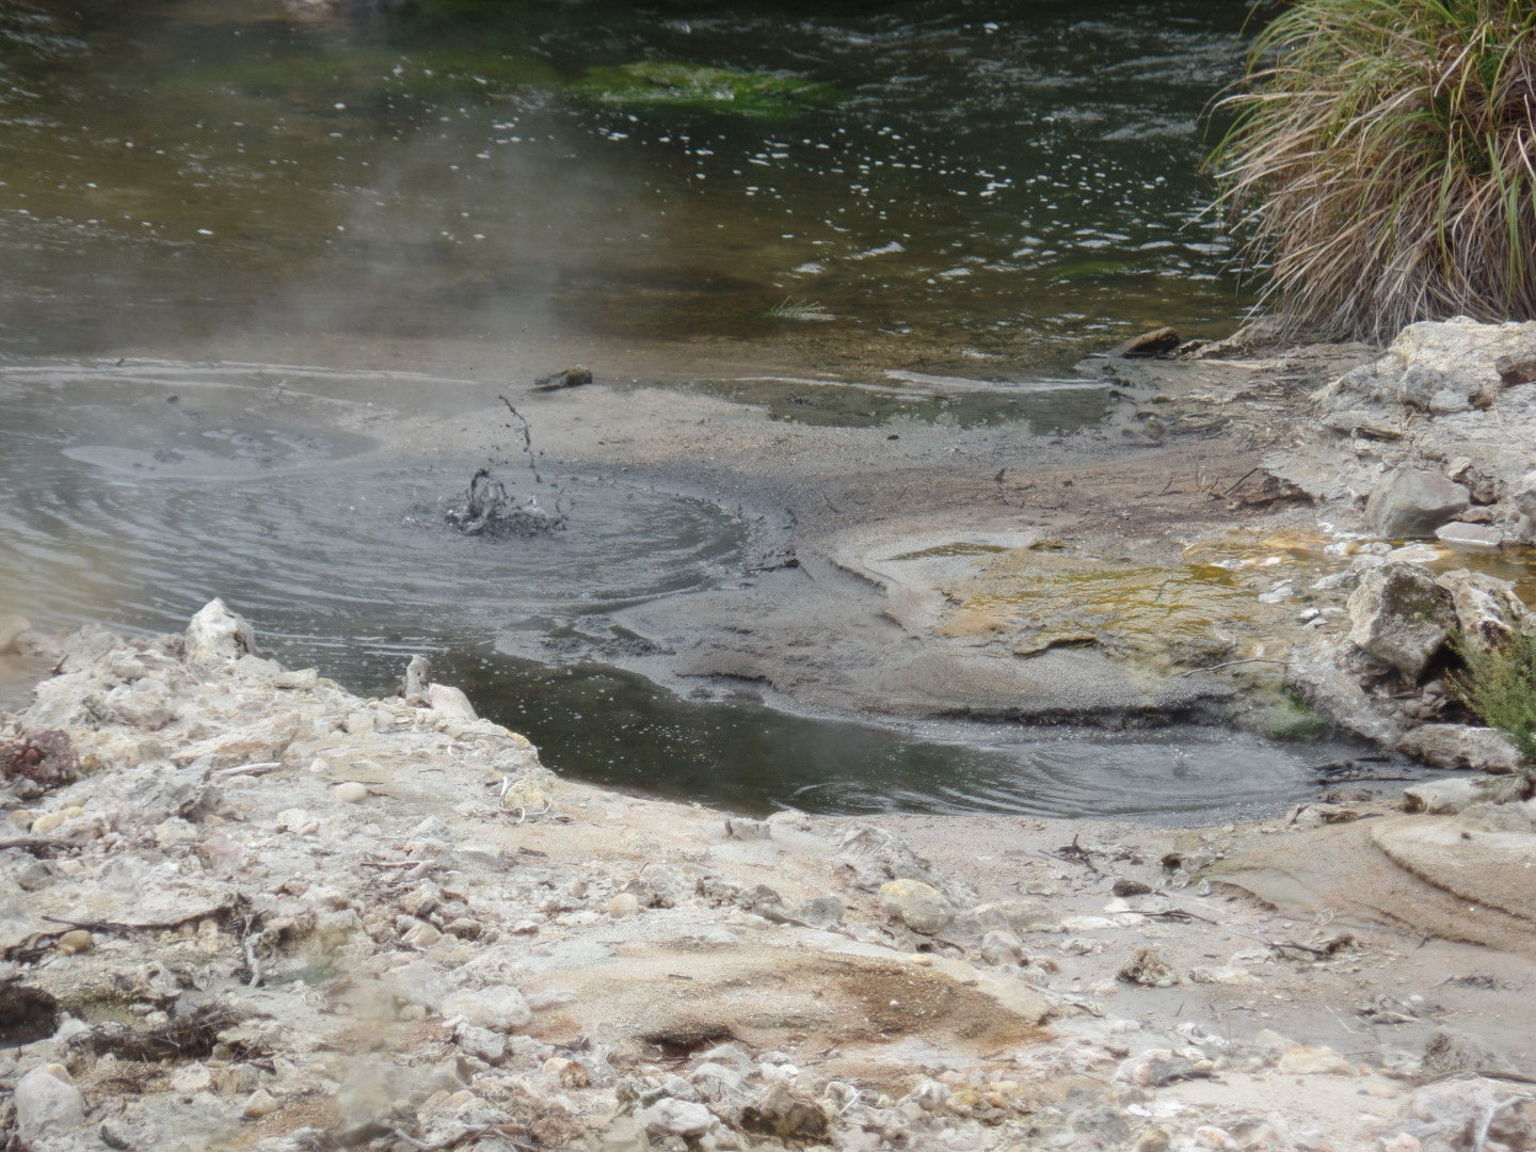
139 491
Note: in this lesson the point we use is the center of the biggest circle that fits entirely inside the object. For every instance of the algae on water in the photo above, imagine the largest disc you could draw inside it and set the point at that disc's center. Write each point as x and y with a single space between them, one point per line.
679 85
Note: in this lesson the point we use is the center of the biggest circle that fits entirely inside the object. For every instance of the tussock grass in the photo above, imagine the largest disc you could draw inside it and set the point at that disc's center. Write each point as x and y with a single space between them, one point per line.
1383 158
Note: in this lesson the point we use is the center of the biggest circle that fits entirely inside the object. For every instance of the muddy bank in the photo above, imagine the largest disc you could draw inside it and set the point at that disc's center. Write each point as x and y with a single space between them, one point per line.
250 910
918 569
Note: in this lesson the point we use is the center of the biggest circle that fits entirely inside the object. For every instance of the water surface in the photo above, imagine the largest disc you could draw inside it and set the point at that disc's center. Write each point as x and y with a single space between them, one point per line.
991 186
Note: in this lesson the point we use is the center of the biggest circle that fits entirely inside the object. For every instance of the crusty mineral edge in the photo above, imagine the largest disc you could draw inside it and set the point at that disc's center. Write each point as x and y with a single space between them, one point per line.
231 947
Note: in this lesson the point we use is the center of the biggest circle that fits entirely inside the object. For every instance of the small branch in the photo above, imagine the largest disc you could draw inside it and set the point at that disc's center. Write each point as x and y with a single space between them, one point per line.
37 845
260 768
1231 664
1075 851
1241 480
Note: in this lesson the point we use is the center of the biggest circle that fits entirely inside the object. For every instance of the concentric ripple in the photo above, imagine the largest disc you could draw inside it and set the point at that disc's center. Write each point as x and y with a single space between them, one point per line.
135 503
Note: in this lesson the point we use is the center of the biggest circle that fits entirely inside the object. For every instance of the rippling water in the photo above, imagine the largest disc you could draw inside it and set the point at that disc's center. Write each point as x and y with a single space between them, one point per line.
135 495
992 184
616 729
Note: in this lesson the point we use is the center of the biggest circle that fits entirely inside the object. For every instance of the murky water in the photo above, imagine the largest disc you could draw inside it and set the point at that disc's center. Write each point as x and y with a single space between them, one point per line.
135 493
617 729
925 209
983 185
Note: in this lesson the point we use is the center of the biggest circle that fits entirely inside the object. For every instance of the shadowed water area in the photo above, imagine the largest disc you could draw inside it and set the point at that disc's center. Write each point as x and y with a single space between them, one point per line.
914 210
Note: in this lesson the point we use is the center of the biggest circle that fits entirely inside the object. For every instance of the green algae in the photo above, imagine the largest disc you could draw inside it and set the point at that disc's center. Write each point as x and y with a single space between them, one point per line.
1291 718
654 84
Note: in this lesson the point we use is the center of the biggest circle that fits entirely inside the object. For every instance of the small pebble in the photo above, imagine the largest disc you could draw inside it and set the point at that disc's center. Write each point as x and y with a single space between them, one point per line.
623 904
75 941
51 821
350 792
261 1103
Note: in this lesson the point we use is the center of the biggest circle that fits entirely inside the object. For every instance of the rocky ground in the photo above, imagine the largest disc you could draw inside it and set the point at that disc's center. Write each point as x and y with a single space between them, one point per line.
246 909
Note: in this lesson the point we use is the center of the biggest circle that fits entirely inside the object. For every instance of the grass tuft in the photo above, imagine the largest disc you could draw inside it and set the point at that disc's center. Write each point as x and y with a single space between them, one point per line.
1499 685
1383 160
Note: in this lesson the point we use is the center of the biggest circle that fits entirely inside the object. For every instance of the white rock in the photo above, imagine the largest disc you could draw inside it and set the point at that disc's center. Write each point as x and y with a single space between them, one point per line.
623 904
482 1043
1470 535
1148 968
350 792
296 820
920 906
419 934
1400 615
450 702
1002 947
677 1117
1488 610
1312 1060
1447 797
1411 503
623 1134
1225 974
47 1104
421 984
216 637
146 703
260 1103
191 1079
1462 746
500 1007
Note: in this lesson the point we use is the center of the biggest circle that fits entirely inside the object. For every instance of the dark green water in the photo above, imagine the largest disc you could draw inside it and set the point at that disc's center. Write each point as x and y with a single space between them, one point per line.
988 185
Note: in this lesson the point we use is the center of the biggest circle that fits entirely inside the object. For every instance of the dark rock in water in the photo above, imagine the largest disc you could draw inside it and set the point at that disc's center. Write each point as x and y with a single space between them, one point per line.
488 509
1157 342
570 378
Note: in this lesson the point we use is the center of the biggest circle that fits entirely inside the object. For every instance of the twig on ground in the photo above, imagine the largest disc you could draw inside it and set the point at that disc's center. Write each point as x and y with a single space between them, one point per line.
1232 664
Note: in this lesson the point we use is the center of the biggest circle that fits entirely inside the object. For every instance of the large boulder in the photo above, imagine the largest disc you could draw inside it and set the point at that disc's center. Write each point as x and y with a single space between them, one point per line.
1410 503
1447 797
1461 746
1488 611
1328 673
1439 366
1400 615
